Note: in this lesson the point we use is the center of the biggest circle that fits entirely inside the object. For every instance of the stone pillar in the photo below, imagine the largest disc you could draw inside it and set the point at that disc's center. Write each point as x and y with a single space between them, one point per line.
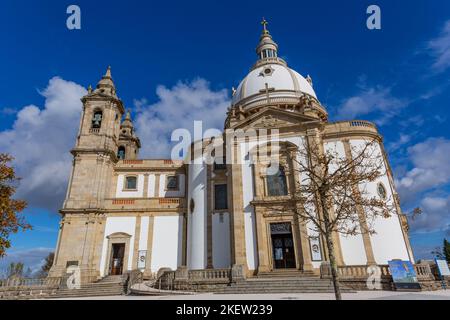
146 178
148 263
137 235
261 236
237 217
304 242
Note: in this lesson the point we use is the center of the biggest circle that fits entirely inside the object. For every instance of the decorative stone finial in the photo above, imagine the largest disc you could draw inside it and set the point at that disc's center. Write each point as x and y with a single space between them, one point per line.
233 91
90 89
108 72
309 79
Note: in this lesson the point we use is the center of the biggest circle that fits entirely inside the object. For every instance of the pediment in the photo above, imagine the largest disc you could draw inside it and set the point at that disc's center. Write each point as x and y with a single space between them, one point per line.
274 118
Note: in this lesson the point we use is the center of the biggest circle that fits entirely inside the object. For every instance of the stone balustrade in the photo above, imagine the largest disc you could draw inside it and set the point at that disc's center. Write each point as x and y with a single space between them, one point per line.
145 203
209 274
29 282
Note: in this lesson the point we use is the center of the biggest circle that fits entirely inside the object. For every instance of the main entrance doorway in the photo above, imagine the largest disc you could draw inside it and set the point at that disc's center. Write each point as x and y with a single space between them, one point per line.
118 252
282 245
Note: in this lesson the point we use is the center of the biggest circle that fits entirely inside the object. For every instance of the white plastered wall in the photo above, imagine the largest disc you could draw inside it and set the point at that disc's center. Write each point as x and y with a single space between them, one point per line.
221 241
114 225
388 243
196 237
167 242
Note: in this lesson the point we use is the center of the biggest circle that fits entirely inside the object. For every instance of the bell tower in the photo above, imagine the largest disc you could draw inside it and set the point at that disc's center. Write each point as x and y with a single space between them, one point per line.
95 152
94 158
129 143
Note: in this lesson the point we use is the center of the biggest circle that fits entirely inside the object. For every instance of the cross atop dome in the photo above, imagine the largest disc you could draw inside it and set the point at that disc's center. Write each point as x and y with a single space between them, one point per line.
264 24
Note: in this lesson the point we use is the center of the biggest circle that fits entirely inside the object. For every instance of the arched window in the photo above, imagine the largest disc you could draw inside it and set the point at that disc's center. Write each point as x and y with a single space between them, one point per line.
276 182
121 153
97 119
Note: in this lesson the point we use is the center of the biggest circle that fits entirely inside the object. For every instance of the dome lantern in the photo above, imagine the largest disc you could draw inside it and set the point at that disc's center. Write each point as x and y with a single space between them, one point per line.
267 48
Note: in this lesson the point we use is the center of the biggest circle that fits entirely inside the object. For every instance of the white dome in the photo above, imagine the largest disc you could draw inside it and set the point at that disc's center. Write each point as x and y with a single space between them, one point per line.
281 82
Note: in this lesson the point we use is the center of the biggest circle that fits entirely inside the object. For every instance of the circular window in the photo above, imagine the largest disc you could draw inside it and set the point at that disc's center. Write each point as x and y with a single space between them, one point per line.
267 71
381 189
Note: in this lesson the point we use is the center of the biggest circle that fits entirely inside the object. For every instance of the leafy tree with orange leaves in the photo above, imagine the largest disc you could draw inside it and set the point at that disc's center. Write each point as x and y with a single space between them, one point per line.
11 218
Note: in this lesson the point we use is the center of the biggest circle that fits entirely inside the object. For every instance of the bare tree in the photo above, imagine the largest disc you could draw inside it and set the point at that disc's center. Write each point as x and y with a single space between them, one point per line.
332 194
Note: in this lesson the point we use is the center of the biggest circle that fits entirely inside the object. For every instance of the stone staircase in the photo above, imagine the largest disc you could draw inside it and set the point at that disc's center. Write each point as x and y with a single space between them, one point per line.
279 283
286 273
108 286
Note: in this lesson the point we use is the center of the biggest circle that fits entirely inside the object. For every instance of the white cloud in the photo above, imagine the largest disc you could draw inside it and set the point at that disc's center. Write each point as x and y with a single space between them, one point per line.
372 100
402 141
435 215
178 107
440 49
431 168
40 140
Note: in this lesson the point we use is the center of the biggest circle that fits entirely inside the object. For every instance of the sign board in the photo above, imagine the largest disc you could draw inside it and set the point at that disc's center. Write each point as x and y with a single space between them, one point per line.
404 275
316 253
442 266
142 258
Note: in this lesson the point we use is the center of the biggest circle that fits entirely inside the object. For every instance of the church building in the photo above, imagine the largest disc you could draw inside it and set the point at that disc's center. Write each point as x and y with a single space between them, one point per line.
124 213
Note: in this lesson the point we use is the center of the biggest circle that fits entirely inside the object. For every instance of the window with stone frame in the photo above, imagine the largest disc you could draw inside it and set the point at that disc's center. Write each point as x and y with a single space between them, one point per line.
276 182
220 197
131 183
172 183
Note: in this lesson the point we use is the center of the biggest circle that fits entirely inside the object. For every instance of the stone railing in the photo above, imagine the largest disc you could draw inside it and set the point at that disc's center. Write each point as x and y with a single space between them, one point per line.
94 130
29 282
25 288
133 277
356 276
145 203
361 123
350 127
360 271
209 274
423 272
148 164
195 280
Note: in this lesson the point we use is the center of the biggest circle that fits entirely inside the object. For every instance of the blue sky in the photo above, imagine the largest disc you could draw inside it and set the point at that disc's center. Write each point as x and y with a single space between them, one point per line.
182 57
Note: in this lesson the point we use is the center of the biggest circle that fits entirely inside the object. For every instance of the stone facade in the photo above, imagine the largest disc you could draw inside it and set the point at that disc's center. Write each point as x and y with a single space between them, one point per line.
122 213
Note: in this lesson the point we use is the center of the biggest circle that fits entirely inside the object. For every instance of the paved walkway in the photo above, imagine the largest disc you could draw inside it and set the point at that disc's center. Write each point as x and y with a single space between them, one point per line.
360 295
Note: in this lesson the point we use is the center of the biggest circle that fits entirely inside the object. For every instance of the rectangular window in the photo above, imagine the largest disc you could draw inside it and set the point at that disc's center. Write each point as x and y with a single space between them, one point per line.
131 183
172 183
220 197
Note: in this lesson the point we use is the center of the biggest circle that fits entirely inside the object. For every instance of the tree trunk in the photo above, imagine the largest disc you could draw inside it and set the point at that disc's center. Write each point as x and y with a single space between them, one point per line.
330 245
334 274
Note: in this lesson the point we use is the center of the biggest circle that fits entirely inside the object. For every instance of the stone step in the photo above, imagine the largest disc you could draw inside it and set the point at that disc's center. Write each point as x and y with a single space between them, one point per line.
276 284
285 274
109 286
